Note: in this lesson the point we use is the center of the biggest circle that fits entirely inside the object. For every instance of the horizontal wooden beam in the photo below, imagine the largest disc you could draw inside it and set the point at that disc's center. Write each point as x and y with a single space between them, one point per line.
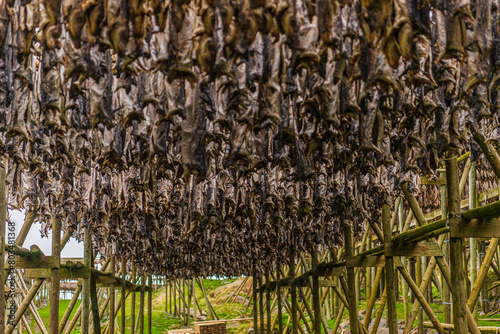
414 249
475 228
369 261
482 329
439 181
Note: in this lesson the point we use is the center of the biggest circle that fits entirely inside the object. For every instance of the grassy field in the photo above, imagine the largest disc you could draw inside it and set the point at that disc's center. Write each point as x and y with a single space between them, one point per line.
163 321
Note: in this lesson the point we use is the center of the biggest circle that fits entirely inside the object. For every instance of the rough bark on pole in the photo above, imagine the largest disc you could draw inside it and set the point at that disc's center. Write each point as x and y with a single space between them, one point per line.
3 218
94 300
420 315
456 251
55 277
87 254
124 273
351 284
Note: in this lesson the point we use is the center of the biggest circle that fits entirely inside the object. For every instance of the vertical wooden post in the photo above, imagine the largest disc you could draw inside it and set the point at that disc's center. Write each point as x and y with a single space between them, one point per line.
390 274
456 251
111 291
254 306
124 273
141 305
473 241
55 277
132 303
404 286
446 250
351 284
175 297
293 295
268 301
420 319
316 293
194 299
150 303
278 297
87 259
167 296
3 219
261 307
94 300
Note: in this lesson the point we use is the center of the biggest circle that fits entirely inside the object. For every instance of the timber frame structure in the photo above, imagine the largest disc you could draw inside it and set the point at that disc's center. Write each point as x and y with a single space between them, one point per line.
327 282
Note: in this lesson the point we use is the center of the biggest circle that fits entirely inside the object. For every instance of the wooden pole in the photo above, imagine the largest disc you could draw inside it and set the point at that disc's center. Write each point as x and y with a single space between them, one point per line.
473 241
421 299
255 302
94 300
351 284
316 294
420 316
390 274
55 277
24 305
87 254
268 301
132 303
261 308
293 295
278 297
123 313
456 251
141 305
150 303
111 292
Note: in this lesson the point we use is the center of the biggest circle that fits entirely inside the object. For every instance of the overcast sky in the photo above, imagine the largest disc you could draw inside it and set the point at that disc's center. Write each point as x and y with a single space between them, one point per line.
73 247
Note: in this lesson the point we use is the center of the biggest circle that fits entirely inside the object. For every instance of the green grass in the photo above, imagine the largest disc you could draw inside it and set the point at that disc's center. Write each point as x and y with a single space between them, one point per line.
162 321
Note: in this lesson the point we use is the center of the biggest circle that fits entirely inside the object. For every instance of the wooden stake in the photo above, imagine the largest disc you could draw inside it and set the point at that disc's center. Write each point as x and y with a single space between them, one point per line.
132 303
55 277
255 302
150 303
278 297
293 295
351 284
123 293
111 292
473 241
316 294
456 251
390 274
261 309
141 305
268 301
87 259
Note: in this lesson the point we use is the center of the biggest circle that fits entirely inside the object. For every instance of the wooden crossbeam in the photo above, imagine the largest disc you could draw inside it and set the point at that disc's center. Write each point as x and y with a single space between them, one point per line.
475 228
